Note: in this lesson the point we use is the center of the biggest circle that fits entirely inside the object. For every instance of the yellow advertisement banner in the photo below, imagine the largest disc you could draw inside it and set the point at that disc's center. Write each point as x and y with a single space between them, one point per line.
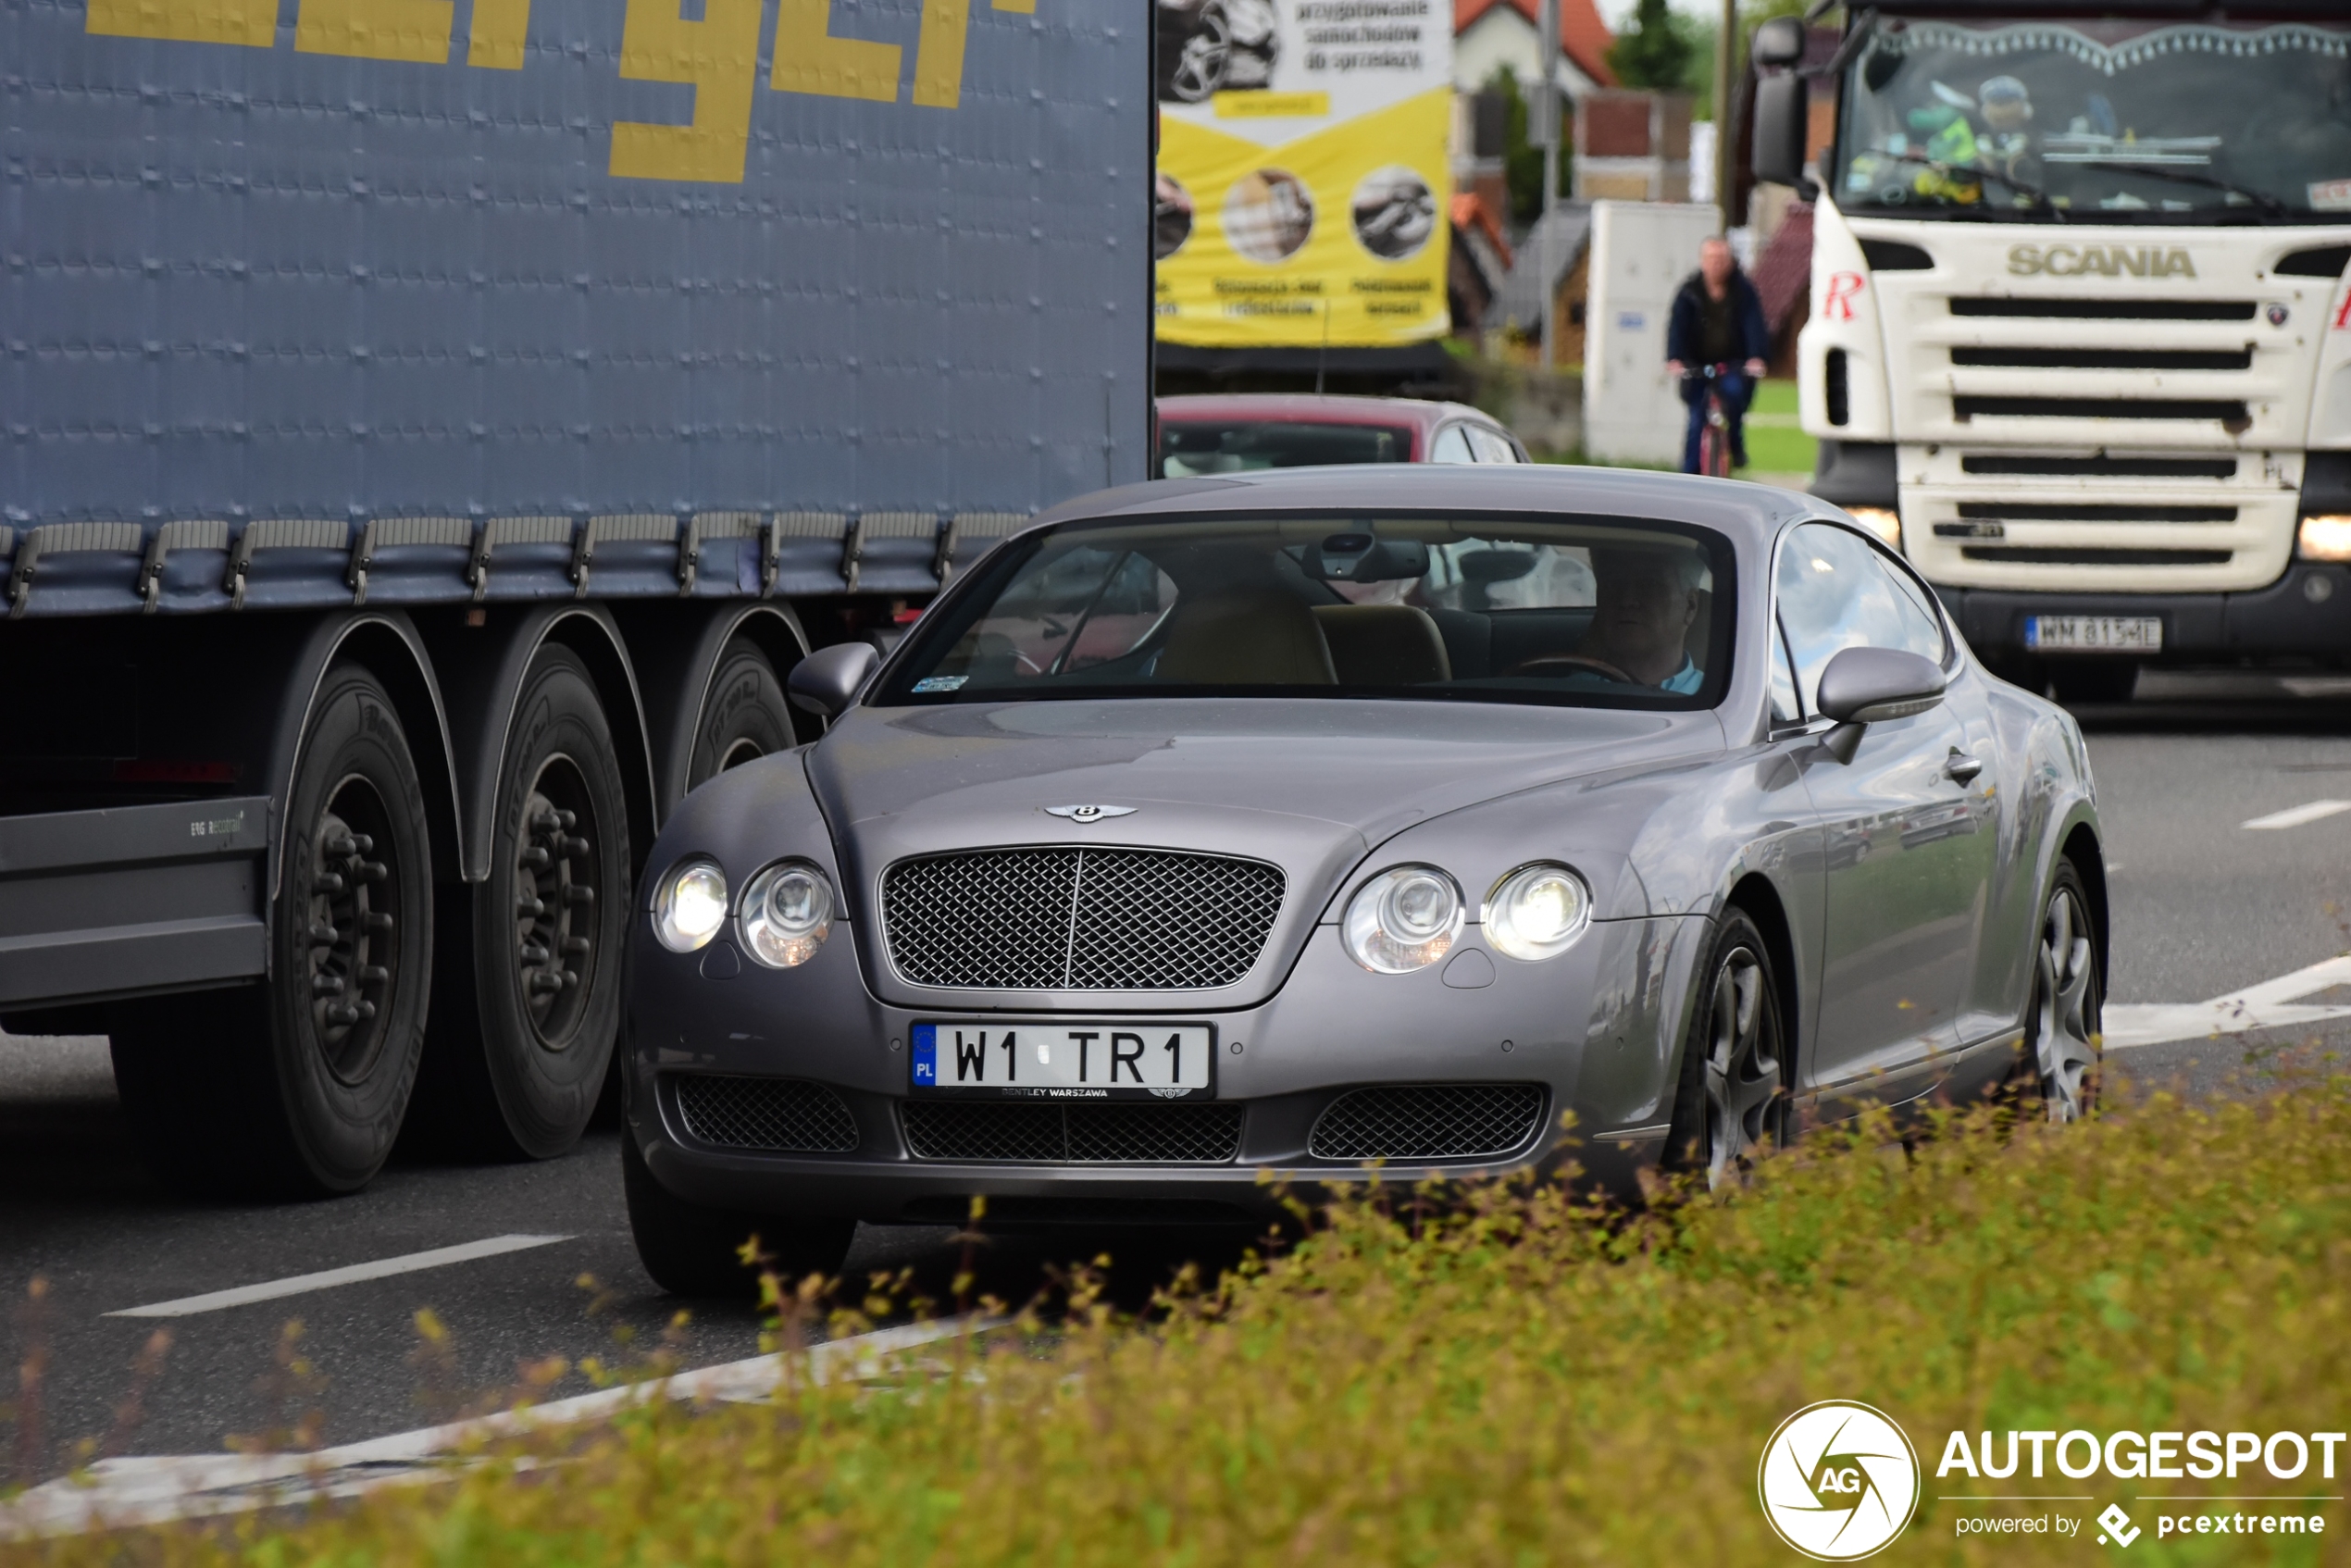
1337 238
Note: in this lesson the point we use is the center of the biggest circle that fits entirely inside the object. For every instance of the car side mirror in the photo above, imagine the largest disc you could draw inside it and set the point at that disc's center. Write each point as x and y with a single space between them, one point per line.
1865 686
1782 125
827 681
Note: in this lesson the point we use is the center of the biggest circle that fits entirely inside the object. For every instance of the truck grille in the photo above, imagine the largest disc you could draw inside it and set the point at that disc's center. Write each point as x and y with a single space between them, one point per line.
780 1116
1086 1133
1053 918
2105 310
1428 1121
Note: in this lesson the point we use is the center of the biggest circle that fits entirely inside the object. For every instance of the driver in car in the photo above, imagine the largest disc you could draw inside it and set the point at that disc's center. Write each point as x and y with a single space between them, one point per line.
1644 605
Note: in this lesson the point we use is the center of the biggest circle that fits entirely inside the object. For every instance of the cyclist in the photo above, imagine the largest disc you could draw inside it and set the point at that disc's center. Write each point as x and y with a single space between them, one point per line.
1717 321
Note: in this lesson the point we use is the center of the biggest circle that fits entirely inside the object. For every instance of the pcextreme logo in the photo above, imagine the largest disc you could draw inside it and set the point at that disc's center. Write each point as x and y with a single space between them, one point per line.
1839 1481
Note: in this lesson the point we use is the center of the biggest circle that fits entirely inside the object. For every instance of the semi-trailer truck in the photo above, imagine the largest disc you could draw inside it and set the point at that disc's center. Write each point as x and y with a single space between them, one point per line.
2079 334
429 436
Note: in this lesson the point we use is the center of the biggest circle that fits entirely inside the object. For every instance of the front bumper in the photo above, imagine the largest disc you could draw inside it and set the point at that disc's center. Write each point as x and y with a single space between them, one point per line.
2305 615
1586 1029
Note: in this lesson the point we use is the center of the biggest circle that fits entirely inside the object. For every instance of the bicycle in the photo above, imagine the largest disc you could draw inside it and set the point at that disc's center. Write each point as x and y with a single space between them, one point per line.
1714 440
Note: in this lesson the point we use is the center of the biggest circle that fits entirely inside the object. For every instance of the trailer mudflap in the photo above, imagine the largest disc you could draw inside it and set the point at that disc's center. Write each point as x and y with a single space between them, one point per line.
98 904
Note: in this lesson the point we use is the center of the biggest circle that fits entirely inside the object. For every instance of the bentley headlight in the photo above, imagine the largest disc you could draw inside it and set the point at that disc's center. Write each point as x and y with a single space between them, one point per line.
1537 911
689 905
1402 920
788 911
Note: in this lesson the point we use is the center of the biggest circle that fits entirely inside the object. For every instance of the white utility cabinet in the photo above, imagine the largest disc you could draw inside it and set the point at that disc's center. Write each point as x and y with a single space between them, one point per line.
1641 251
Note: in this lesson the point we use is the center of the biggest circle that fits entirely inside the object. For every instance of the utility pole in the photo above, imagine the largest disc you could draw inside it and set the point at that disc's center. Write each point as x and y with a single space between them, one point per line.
1546 102
1726 38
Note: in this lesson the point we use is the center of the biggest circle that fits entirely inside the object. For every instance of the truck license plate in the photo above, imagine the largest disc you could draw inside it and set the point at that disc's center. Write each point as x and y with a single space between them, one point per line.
1076 1060
2093 634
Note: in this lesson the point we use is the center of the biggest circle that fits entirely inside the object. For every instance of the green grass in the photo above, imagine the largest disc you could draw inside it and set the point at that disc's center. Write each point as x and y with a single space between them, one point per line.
1773 447
1528 1380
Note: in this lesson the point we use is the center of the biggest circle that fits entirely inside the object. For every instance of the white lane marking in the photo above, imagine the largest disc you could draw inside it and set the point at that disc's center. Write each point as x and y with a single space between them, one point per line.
2295 817
327 1279
2268 1006
116 1493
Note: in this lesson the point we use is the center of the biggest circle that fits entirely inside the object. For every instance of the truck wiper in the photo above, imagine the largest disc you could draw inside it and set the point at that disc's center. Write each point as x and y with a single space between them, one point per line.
2262 199
2021 188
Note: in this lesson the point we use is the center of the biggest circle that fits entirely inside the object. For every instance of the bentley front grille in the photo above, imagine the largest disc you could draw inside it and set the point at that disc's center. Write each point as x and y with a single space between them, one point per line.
1084 1133
1052 918
779 1115
1428 1121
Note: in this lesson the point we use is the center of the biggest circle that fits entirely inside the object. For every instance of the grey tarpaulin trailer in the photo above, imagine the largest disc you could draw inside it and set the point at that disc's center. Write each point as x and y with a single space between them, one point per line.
430 434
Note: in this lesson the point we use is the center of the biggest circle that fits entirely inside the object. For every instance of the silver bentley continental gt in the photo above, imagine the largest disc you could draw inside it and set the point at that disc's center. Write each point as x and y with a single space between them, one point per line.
1452 820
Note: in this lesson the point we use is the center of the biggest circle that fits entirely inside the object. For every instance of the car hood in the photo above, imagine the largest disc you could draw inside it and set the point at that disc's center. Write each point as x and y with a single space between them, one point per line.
1311 785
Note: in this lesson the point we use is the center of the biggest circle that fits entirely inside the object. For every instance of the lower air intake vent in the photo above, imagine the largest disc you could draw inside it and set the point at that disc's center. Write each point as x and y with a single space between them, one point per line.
2228 413
781 1115
1428 1121
1095 1133
2068 555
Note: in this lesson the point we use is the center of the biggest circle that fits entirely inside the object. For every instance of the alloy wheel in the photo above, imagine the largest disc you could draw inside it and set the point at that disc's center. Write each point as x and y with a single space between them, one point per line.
354 929
556 898
1743 1073
2065 968
1199 70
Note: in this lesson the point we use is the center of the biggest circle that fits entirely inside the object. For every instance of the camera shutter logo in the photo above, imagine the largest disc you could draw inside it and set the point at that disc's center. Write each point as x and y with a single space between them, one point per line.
1839 1481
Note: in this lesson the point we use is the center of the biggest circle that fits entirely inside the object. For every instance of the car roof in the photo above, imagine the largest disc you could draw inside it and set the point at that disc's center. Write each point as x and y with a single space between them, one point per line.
1298 408
1751 515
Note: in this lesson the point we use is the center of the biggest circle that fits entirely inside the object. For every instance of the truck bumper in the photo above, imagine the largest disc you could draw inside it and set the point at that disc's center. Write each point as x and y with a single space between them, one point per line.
2304 616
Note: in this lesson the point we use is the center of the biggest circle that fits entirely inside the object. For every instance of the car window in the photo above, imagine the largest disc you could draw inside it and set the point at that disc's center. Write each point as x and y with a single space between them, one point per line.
1452 446
1490 445
1593 612
1835 593
1244 445
1787 706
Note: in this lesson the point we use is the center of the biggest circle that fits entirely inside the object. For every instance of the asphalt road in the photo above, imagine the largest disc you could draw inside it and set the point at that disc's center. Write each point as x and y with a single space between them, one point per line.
2204 907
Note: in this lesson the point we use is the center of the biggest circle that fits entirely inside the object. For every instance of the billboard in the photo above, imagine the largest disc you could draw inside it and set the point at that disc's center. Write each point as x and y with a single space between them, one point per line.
1301 171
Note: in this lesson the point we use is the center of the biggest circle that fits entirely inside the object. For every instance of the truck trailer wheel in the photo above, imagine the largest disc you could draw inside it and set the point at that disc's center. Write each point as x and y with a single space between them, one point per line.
549 920
744 717
299 1087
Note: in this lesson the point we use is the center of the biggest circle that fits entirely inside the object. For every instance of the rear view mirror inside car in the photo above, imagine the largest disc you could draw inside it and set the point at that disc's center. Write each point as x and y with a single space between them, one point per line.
1363 557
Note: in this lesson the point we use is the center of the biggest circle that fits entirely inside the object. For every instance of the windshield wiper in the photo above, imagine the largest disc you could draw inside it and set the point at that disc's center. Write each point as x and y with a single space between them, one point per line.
2021 188
2262 199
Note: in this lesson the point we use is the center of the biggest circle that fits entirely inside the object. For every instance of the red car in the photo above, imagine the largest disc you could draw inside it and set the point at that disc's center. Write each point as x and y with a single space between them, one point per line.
1245 431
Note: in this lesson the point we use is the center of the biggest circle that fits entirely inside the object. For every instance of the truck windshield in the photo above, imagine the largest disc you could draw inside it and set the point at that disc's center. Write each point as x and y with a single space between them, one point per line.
1600 614
2112 121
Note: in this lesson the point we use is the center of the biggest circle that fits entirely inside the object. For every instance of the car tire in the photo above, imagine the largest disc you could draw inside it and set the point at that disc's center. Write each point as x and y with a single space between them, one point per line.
2059 1060
298 1088
1730 1097
744 717
694 1250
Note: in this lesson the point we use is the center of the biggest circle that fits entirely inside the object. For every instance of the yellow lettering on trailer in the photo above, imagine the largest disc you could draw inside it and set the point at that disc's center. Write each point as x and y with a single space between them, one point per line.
501 28
810 60
719 55
376 30
939 59
253 23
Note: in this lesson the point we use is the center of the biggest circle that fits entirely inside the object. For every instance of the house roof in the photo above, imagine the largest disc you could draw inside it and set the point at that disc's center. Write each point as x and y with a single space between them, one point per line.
1569 227
1471 212
1583 37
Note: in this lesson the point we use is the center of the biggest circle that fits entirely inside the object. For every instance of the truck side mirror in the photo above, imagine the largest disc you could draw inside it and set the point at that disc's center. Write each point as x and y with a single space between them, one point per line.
1778 43
826 680
1781 114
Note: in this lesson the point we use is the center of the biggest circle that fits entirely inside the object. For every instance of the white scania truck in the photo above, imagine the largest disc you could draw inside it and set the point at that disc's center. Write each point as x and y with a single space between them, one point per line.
2079 327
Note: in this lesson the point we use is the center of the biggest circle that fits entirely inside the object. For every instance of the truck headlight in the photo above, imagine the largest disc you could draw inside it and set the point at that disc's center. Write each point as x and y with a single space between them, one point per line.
689 905
1402 919
1883 521
2324 538
788 913
1537 911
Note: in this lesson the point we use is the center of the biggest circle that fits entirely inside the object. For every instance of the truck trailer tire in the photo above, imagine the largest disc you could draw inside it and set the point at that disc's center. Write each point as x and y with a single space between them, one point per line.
549 920
298 1087
744 717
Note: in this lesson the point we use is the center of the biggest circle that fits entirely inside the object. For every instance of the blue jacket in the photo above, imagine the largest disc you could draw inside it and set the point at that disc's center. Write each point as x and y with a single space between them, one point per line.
1682 329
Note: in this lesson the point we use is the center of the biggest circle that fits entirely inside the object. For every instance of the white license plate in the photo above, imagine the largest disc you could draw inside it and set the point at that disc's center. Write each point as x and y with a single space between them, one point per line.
2095 634
1077 1061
